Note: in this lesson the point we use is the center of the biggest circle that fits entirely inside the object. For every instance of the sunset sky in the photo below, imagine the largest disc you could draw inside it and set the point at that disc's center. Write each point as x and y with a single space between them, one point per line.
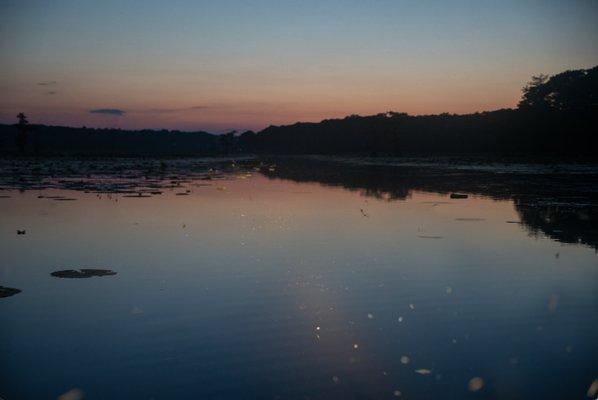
233 64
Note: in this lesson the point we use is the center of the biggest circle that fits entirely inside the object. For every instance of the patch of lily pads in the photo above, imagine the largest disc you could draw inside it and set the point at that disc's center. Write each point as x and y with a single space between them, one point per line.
82 273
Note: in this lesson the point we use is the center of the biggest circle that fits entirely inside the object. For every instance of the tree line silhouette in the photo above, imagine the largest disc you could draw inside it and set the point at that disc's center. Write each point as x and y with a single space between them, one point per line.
556 116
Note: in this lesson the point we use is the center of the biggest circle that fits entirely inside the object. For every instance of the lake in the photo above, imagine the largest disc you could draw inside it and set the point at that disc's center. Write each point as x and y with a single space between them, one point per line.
298 278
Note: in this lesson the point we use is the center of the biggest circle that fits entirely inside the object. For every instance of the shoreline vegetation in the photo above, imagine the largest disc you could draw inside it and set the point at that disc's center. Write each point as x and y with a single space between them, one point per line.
557 116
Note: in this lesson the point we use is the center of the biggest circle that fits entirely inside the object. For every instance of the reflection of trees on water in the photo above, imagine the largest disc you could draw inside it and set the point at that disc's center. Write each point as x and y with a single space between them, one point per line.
571 223
562 206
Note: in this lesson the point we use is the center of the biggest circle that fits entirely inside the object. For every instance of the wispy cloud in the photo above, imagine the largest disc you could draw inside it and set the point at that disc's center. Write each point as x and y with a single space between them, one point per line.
108 111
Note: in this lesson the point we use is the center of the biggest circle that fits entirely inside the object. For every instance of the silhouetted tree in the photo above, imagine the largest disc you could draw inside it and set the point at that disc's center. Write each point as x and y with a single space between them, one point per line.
571 91
227 140
23 127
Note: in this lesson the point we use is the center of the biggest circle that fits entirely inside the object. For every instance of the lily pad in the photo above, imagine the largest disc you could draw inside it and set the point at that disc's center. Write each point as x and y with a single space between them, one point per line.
7 292
82 273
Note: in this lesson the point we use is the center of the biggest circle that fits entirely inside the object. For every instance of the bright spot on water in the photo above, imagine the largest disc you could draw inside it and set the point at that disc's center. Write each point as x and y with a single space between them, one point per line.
73 394
475 384
423 371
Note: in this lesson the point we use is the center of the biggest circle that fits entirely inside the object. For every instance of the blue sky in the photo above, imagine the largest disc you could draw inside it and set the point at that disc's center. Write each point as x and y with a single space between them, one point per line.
240 64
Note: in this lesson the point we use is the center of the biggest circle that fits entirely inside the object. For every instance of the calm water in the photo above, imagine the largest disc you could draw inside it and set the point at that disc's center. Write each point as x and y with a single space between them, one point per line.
302 281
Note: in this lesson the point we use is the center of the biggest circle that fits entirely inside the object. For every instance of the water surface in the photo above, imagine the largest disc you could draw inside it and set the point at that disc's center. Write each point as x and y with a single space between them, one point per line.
297 280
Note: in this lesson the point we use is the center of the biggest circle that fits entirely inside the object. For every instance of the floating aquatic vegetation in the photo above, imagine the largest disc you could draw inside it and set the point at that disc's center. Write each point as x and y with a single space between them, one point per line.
7 292
82 273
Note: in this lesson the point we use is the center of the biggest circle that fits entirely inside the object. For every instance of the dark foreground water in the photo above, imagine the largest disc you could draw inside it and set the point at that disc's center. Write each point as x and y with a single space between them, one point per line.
298 279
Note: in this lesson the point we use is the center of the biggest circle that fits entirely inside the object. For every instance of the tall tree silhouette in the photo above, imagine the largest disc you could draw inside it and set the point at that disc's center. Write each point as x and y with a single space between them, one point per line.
23 127
570 91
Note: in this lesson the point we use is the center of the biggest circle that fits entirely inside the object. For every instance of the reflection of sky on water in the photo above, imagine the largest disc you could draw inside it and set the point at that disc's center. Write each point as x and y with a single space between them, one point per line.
263 289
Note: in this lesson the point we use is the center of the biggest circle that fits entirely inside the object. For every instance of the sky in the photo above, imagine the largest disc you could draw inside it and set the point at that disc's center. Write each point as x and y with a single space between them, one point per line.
239 64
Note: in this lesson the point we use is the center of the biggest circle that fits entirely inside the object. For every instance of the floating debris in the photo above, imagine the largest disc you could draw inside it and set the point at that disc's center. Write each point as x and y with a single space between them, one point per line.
412 306
21 231
7 292
458 196
513 222
405 360
364 213
400 319
397 393
82 273
370 316
423 371
355 346
475 384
